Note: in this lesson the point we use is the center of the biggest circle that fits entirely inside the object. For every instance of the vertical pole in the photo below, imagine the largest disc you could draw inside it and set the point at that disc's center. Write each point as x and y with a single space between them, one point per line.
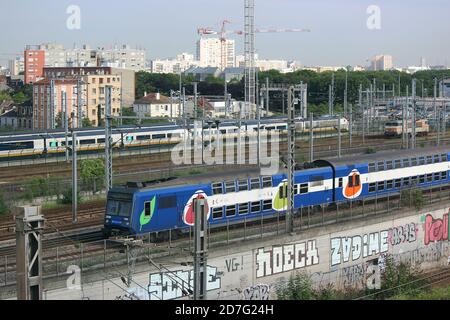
267 96
201 250
403 127
195 100
74 178
339 136
79 104
413 136
346 94
407 126
291 159
311 137
436 125
282 102
350 125
330 106
64 120
225 96
332 94
361 107
108 140
171 104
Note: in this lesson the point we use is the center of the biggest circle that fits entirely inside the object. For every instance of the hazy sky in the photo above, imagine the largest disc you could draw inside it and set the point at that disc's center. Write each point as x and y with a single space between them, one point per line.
409 28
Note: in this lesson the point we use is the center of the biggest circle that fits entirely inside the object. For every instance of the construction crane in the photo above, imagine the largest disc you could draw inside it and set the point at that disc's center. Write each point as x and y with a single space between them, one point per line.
205 31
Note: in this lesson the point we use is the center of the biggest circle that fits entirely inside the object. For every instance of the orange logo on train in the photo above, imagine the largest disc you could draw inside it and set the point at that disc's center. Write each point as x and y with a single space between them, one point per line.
352 185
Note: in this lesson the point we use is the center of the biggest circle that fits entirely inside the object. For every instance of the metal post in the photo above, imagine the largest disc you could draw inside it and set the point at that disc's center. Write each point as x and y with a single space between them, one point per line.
195 99
311 137
350 127
74 178
52 104
330 106
79 104
407 119
108 140
346 94
201 250
339 136
267 97
65 123
435 111
171 104
29 227
413 136
226 96
291 159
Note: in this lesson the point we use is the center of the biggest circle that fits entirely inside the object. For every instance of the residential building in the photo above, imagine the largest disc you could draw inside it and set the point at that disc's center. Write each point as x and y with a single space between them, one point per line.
233 74
82 57
444 88
126 77
9 119
25 116
16 66
156 105
34 62
182 62
55 54
123 57
209 53
381 63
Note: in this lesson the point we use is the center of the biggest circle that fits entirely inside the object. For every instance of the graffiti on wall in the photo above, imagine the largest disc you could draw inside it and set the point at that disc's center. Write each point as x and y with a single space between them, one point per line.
436 229
258 292
345 249
234 264
402 234
177 284
285 258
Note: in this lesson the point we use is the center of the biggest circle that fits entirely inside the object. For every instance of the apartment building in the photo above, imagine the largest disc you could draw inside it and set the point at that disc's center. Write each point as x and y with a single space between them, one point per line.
34 61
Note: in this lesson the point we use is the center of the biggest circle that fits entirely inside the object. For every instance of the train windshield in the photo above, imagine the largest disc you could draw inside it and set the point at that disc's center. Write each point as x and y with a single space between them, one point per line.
119 205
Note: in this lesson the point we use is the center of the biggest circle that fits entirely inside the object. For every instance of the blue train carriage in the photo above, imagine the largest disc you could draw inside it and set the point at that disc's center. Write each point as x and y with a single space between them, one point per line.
238 195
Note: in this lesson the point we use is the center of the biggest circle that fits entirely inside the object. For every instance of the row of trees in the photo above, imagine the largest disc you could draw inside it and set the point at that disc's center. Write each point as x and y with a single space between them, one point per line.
318 84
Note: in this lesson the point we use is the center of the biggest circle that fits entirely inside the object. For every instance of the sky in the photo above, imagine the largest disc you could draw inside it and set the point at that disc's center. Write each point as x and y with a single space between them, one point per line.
409 29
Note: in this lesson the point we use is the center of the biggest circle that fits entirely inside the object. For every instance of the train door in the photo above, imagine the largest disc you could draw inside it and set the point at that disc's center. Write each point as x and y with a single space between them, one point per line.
353 186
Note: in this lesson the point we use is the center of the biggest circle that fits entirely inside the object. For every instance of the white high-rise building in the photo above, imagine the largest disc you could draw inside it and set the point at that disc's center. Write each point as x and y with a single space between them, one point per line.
182 62
55 54
381 62
16 66
209 53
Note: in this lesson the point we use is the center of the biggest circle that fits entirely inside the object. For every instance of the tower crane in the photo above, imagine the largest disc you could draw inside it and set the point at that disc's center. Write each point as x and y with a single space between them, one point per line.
223 33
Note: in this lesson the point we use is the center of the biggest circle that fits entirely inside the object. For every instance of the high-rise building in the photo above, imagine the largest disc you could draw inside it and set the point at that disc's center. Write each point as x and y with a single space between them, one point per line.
209 52
16 66
123 57
381 62
182 62
34 61
55 54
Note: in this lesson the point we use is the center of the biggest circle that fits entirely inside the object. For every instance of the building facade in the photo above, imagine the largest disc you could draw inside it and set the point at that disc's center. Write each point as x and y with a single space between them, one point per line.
156 105
381 63
182 62
16 66
34 62
209 52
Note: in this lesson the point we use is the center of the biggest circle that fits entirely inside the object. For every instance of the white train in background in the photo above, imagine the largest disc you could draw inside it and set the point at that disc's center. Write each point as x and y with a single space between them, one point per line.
91 140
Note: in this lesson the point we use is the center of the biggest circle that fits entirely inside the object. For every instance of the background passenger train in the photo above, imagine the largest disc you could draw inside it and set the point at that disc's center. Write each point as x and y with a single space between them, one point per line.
395 128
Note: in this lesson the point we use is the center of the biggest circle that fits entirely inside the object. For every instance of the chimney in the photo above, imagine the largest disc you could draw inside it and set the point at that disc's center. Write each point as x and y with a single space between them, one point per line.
145 93
158 96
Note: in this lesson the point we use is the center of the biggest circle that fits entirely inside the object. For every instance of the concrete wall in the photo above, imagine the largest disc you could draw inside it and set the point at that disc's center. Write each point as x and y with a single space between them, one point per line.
347 255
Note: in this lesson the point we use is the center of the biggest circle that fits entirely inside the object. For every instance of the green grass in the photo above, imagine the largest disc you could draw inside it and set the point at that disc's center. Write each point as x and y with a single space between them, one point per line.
433 294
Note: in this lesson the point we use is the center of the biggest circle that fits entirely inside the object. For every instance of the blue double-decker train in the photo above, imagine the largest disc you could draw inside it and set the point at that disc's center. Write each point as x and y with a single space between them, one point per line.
234 196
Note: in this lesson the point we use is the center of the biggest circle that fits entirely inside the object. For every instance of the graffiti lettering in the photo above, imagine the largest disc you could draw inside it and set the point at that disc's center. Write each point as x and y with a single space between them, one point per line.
234 264
355 247
259 292
402 234
177 284
353 275
286 258
436 229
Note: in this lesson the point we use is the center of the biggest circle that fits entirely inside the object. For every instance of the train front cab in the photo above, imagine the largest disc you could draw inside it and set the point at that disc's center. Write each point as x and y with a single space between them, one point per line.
119 208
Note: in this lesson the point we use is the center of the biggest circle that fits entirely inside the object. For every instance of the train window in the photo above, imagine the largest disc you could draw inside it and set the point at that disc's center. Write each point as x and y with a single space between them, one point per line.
158 136
372 187
398 183
295 188
230 211
53 144
372 167
223 131
242 185
16 145
140 138
429 159
90 141
217 213
130 138
317 181
422 179
429 177
340 182
147 209
421 161
413 162
282 128
267 182
380 166
255 184
304 188
101 140
380 185
444 175
230 186
406 181
256 206
389 184
406 163
437 176
267 205
217 188
437 158
398 164
350 182
389 165
167 202
443 157
243 208
357 180
414 180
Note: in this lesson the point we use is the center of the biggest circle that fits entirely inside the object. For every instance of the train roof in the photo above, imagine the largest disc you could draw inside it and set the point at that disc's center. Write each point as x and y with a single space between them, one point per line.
388 155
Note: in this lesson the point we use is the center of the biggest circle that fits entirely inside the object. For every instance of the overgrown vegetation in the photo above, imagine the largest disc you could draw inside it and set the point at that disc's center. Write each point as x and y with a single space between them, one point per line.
413 198
92 173
4 209
398 280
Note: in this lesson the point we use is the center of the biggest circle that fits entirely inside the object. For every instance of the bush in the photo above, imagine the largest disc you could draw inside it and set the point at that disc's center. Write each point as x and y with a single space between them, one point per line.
413 198
370 150
67 197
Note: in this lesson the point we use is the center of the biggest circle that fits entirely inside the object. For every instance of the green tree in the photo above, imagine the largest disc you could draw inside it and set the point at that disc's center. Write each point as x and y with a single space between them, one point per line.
20 97
86 123
92 173
128 112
